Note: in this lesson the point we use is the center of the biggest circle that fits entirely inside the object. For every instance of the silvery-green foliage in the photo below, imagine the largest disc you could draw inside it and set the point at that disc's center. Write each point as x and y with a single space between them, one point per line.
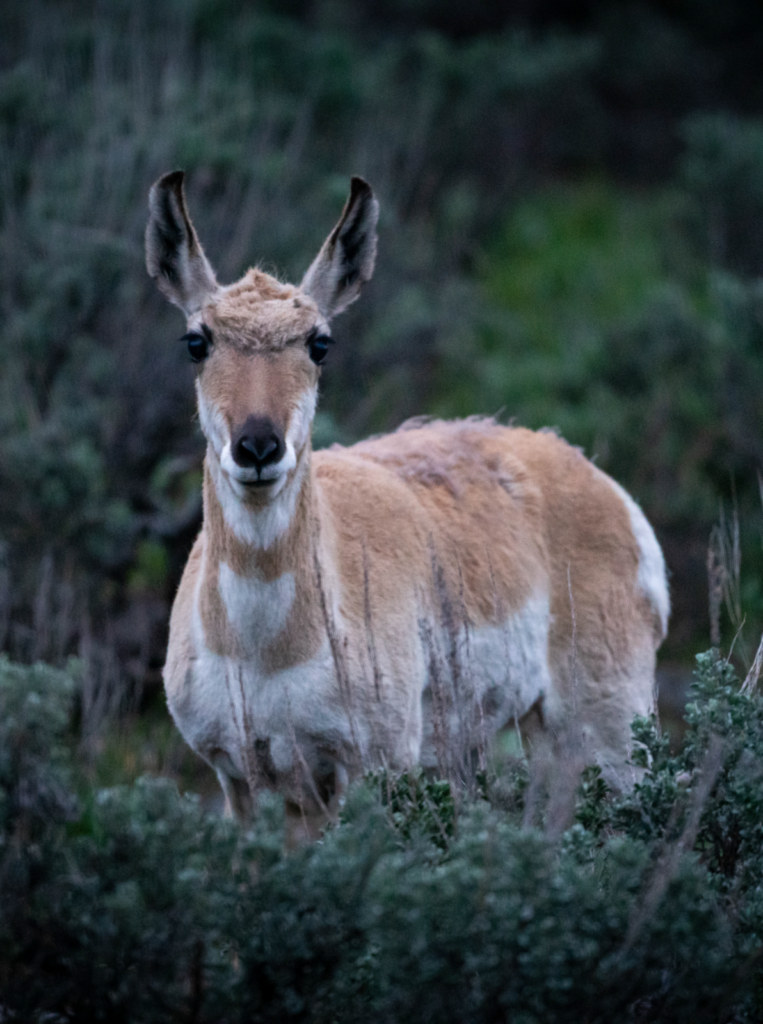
134 904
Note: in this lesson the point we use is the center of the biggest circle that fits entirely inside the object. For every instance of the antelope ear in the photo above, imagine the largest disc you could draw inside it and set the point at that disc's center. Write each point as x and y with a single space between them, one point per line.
174 256
346 260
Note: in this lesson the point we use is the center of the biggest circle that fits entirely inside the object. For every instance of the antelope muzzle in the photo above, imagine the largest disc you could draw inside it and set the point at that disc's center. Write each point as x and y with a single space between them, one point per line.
258 445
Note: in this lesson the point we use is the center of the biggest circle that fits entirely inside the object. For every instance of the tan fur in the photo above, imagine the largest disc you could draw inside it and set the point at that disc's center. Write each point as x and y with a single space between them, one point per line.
260 314
310 612
242 381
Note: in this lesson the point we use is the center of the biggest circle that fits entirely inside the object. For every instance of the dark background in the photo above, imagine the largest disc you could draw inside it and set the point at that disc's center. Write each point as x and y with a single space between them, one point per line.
571 234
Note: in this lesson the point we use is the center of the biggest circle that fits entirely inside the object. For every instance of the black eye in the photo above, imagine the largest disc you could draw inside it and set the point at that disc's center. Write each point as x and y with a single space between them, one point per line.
198 343
318 346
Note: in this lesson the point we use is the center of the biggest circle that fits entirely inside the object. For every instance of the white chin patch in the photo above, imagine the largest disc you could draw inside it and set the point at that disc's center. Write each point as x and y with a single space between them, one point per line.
243 479
257 527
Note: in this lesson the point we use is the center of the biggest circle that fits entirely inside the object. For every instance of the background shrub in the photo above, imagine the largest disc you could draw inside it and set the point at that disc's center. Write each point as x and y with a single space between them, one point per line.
559 194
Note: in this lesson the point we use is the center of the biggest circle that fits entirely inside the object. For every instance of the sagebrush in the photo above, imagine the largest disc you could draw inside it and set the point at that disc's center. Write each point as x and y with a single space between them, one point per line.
422 904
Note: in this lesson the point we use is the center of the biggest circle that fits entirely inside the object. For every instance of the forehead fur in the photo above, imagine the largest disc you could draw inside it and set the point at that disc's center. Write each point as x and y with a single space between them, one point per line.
260 313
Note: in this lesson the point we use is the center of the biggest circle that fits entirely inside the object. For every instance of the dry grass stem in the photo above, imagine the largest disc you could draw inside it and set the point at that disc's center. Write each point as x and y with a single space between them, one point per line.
540 770
304 770
243 729
338 652
103 692
714 594
574 640
370 639
752 677
668 864
440 730
724 569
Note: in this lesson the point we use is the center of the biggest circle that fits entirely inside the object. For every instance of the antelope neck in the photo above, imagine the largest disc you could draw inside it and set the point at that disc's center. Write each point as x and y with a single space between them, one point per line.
234 530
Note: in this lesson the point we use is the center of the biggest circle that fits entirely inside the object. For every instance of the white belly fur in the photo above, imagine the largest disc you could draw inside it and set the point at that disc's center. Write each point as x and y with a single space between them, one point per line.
502 671
229 704
225 704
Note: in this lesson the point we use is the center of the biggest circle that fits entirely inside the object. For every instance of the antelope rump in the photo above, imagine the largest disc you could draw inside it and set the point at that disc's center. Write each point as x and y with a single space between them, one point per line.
382 603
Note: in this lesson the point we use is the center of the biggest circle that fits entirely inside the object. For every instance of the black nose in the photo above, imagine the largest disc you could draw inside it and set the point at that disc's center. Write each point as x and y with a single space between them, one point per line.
258 443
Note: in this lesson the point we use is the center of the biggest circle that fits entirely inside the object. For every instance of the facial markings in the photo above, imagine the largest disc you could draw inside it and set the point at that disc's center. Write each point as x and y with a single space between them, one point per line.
301 420
212 420
235 386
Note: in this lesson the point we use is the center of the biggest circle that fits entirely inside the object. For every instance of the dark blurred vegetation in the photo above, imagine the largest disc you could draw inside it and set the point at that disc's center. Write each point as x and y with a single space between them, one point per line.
572 231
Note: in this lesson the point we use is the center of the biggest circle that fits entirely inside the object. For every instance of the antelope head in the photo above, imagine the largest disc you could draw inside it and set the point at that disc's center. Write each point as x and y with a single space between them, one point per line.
258 344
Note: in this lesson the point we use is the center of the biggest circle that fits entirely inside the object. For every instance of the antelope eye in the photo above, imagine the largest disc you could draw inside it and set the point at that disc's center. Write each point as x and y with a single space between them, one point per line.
198 345
318 346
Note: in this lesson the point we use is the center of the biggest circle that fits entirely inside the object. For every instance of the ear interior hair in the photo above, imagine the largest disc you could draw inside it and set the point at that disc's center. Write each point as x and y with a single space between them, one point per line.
174 256
346 259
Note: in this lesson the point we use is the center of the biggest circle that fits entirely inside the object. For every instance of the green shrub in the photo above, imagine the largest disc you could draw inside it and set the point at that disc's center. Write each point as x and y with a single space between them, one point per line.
418 806
132 904
722 177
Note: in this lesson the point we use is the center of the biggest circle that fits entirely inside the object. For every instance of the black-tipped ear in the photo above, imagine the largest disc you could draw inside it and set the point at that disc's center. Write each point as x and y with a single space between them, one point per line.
346 260
174 256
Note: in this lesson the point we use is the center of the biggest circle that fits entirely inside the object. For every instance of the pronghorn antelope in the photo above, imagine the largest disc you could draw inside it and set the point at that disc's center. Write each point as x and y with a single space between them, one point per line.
328 591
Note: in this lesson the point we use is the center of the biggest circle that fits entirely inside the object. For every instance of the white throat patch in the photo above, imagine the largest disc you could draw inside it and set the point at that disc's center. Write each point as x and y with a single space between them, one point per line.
257 611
